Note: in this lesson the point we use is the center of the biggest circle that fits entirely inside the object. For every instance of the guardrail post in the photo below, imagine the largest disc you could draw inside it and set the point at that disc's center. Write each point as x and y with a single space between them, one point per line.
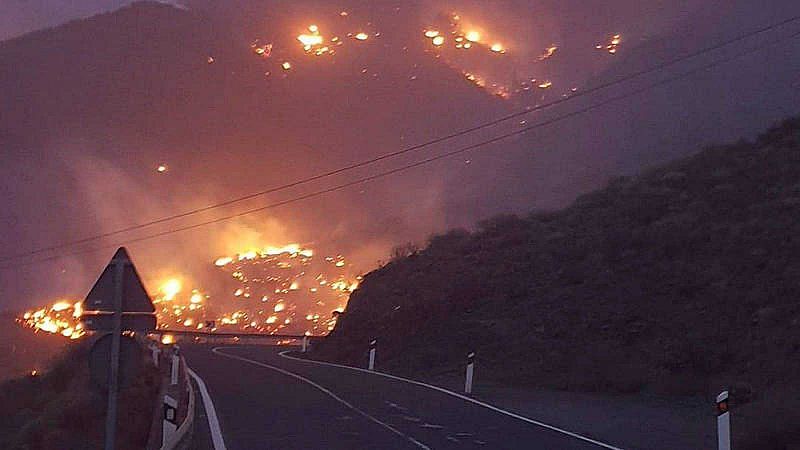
156 351
305 343
176 363
170 424
372 344
723 421
470 372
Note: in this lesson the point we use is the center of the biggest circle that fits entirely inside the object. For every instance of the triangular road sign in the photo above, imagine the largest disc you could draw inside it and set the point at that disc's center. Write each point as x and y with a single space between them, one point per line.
134 295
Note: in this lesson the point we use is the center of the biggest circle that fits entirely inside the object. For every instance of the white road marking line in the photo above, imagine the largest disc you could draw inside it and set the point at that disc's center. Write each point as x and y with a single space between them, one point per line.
457 395
211 413
328 393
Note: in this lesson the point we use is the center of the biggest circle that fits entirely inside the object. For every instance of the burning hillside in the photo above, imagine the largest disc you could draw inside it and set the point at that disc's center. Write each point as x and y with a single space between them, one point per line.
152 111
469 45
271 290
59 318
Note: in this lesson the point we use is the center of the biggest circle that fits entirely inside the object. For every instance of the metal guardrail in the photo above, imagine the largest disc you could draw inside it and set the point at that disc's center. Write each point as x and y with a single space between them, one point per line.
236 338
230 334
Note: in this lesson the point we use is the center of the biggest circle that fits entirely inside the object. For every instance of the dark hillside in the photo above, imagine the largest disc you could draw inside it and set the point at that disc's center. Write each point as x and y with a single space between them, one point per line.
59 408
23 350
682 280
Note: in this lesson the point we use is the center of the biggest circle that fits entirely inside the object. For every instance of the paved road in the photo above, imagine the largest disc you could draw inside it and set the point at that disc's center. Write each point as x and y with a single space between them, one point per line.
265 401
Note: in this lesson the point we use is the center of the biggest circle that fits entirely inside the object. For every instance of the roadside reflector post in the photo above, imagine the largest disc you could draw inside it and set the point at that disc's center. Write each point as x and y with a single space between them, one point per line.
470 372
723 421
156 351
170 423
372 344
305 343
176 362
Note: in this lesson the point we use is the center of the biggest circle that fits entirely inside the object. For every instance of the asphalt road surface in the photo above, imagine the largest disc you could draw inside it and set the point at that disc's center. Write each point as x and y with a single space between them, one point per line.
265 401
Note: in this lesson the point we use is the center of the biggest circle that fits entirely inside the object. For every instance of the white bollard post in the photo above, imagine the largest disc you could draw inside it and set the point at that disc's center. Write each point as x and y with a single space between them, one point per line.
170 423
176 362
723 421
372 344
155 351
470 372
305 343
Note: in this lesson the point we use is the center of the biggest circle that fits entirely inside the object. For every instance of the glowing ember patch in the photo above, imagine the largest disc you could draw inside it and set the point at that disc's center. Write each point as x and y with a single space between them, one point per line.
362 36
545 85
548 53
196 298
431 34
310 39
161 168
286 65
438 41
279 307
248 255
263 50
222 262
612 45
210 60
313 28
170 289
167 339
61 306
473 36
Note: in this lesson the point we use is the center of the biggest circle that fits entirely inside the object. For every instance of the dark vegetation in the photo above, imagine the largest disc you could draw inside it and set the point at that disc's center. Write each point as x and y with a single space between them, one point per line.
23 350
681 281
60 409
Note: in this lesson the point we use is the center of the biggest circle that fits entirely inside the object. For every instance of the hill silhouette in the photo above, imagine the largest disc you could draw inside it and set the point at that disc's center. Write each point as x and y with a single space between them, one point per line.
681 280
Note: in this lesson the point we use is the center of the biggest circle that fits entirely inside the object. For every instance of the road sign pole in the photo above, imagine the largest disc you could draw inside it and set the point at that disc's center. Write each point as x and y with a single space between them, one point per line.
723 421
470 372
113 382
373 343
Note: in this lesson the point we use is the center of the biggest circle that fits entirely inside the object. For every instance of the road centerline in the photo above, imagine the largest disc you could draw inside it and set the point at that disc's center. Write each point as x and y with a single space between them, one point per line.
284 354
329 393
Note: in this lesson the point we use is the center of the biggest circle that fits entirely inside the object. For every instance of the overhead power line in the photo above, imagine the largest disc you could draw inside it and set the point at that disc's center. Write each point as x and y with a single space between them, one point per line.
438 140
428 160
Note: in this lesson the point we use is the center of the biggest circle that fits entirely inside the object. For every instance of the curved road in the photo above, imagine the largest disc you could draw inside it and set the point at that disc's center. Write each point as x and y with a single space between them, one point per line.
266 401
